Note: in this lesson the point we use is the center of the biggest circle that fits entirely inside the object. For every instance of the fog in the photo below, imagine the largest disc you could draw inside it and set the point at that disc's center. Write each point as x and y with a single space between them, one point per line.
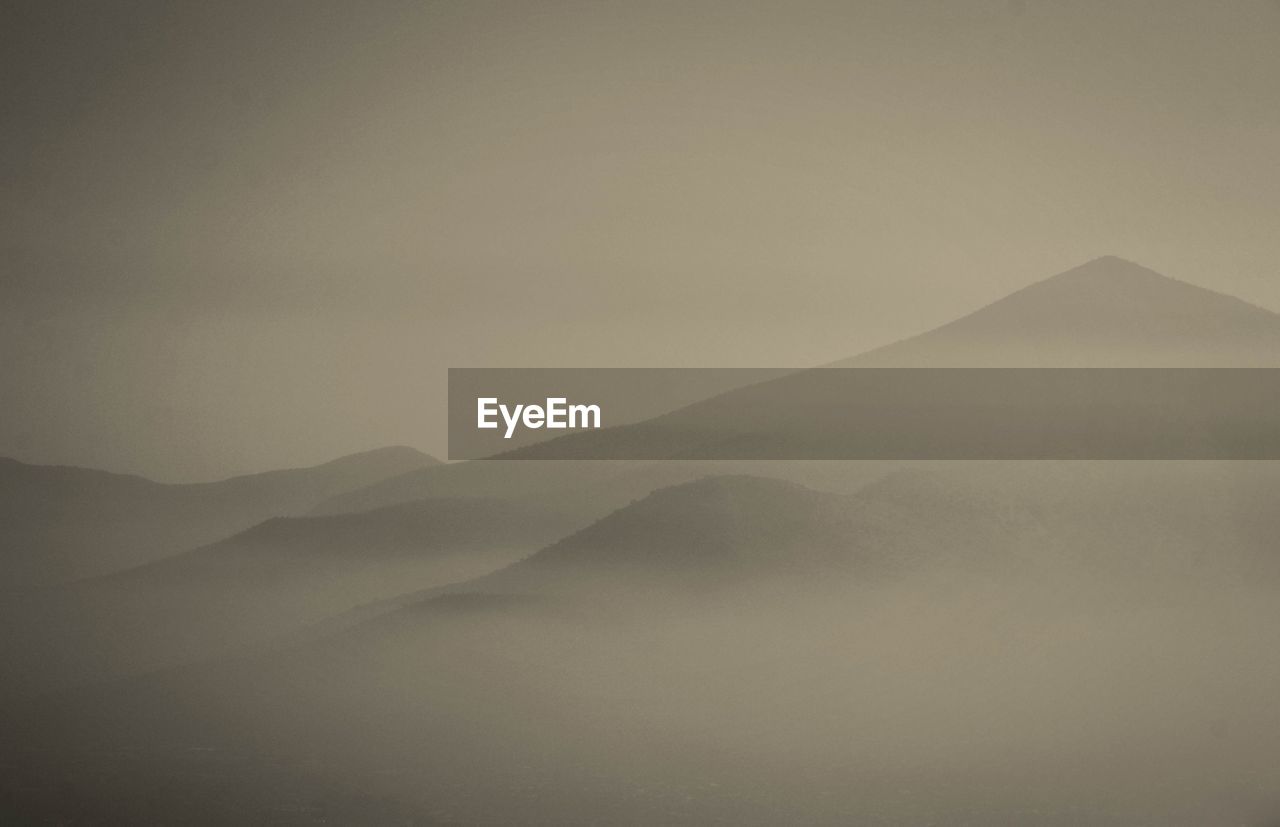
239 240
1007 701
976 644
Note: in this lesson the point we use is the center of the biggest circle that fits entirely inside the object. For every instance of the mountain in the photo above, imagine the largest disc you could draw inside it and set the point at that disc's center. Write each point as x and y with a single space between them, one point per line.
589 489
270 580
724 531
1143 520
62 523
705 530
731 629
470 479
963 643
1108 312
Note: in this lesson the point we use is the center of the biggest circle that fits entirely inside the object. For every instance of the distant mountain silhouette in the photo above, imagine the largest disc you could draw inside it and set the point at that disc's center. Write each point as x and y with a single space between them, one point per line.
452 524
721 530
942 616
708 525
269 580
1108 312
1107 518
470 479
751 595
61 523
588 490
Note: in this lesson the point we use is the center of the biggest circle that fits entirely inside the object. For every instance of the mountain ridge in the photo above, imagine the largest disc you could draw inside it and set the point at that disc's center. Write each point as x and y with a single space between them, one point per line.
1106 312
1185 338
388 453
62 523
732 528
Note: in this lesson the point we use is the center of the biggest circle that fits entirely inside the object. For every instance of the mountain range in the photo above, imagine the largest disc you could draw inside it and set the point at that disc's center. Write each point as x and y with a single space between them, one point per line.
267 581
684 641
62 523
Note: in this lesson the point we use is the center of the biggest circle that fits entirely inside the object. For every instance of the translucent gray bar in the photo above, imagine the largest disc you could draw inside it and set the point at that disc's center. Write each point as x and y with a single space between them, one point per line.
870 413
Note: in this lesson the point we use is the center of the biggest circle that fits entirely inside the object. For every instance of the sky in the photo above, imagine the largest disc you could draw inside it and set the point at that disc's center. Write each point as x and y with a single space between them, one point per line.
244 235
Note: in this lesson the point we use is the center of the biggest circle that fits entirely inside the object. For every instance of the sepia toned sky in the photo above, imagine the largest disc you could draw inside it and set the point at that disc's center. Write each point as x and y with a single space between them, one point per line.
244 235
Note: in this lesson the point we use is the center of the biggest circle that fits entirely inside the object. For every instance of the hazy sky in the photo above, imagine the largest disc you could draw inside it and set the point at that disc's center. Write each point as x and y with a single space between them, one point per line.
240 235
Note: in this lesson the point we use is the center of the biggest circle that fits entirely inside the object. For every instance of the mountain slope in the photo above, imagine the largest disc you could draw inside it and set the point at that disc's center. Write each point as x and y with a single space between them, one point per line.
1078 605
267 581
725 531
1105 313
1110 520
587 490
62 523
1108 312
772 623
470 479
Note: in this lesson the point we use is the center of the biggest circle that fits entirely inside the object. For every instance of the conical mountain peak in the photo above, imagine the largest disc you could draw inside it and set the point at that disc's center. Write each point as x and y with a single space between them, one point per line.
1107 312
1112 268
1103 279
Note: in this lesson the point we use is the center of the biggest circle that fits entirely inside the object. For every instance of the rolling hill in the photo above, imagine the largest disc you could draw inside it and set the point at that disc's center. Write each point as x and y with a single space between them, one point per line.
270 580
965 643
63 523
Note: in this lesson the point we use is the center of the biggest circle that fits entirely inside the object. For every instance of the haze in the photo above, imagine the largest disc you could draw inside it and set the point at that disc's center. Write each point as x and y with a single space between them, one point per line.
241 236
